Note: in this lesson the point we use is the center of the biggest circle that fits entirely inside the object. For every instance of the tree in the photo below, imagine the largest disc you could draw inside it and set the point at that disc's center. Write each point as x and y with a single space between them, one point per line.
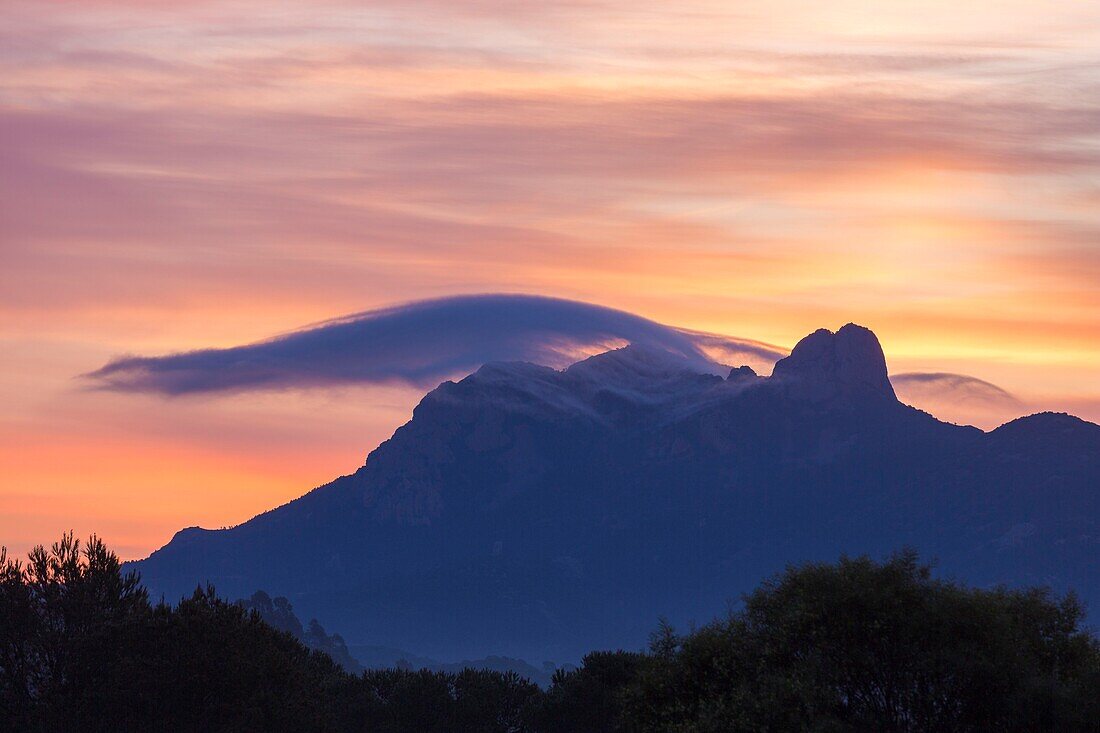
878 646
590 698
65 611
82 649
855 646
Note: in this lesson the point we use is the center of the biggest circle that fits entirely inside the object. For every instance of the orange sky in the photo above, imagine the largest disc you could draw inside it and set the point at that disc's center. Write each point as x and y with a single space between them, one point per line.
185 175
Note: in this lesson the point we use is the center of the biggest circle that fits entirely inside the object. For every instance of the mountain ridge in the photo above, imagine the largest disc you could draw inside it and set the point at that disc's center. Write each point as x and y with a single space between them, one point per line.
536 513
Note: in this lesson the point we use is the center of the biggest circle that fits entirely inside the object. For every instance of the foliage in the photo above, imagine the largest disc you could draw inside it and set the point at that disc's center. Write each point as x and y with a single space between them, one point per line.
81 648
439 702
863 646
589 699
61 614
855 646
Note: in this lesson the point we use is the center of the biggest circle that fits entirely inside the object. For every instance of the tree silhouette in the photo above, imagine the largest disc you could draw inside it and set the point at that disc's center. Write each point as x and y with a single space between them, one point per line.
868 646
854 646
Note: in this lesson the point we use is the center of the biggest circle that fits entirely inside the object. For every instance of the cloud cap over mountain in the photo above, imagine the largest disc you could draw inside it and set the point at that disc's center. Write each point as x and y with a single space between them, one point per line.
419 343
425 342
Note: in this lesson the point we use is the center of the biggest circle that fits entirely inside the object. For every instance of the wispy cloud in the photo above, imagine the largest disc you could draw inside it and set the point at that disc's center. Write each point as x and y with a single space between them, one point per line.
959 398
956 386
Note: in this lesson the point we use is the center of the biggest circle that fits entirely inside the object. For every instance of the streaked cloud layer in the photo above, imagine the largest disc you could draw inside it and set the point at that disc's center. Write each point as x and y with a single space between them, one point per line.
195 175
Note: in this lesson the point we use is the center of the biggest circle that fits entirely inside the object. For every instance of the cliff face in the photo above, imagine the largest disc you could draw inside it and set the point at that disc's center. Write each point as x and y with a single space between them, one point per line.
540 513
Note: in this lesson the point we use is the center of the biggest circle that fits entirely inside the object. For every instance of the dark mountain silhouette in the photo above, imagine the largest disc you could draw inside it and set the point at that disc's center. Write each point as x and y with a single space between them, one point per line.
537 513
279 614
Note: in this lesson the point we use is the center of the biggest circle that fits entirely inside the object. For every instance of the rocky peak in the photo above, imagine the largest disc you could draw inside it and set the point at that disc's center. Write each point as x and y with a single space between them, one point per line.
742 373
827 364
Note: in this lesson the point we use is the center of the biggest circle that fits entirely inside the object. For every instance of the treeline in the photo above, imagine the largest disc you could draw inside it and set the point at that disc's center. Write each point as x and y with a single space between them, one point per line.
855 646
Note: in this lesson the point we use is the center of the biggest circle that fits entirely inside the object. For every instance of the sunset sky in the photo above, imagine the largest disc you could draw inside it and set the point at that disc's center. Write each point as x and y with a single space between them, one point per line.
177 176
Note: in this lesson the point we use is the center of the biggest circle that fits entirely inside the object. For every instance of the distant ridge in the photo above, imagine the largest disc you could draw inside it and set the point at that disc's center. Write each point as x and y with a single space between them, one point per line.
534 513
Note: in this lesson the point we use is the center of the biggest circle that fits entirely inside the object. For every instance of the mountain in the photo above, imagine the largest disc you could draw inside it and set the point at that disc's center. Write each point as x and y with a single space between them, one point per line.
279 614
539 514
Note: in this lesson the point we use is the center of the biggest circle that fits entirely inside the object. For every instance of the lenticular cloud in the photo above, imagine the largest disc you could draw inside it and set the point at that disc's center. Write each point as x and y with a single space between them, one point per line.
420 343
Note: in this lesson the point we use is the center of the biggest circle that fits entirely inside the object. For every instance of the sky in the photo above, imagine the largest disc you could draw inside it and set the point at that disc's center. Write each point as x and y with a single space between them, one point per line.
205 175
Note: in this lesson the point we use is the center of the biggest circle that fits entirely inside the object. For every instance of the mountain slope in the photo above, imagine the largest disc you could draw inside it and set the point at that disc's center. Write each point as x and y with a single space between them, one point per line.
539 514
